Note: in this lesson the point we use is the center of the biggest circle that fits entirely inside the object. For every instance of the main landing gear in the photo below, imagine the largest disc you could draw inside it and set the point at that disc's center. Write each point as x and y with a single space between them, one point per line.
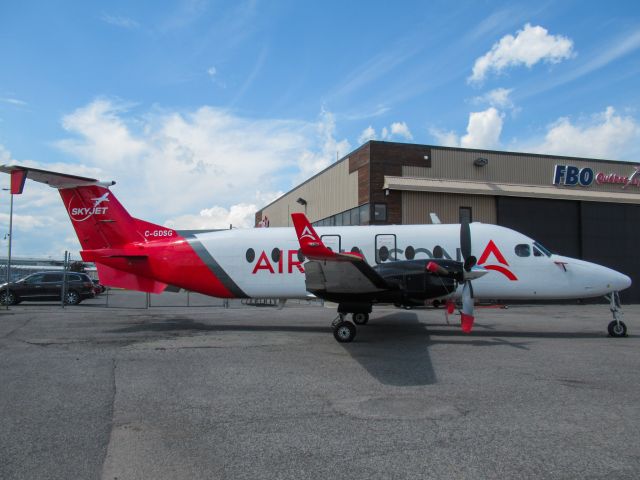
616 328
344 331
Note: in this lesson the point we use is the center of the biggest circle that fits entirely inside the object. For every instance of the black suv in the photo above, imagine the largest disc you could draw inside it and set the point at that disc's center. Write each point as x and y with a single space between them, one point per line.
47 286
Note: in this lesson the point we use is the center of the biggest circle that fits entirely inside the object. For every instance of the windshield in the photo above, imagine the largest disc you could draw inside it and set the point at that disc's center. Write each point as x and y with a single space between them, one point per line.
542 249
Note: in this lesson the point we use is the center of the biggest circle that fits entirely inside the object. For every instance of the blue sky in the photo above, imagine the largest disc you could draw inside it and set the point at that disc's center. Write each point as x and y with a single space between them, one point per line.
203 111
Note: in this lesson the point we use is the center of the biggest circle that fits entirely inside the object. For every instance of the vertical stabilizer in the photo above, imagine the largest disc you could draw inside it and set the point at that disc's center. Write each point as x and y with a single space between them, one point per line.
99 219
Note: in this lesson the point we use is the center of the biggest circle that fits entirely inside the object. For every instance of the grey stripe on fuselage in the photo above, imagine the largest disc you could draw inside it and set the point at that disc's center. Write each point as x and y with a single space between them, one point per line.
215 267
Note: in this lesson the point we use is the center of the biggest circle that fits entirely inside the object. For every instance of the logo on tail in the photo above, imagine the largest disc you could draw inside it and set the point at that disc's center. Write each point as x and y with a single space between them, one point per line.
97 201
306 233
79 213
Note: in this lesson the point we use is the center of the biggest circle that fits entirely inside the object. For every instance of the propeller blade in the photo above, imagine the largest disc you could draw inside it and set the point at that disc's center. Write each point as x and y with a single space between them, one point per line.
466 314
465 240
451 306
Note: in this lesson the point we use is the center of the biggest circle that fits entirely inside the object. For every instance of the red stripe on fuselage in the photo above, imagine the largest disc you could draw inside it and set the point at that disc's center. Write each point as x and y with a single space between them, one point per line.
172 261
505 271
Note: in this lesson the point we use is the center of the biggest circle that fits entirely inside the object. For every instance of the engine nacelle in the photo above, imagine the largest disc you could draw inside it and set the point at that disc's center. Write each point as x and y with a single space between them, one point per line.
417 283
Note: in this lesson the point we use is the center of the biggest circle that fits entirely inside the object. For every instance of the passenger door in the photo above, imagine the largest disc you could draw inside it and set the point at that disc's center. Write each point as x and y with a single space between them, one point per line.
32 287
52 285
385 248
332 241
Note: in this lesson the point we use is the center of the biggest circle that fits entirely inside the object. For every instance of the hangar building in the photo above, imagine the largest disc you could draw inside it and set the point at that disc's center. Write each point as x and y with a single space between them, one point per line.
579 207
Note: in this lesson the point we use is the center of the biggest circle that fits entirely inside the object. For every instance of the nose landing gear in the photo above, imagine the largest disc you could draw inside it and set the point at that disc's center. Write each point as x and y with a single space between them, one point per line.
616 328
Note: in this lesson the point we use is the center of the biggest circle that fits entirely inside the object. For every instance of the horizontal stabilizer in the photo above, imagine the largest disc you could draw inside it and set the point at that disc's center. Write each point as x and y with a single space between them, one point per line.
113 277
55 179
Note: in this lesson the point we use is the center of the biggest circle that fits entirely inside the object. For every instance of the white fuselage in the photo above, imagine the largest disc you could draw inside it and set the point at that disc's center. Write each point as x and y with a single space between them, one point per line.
263 262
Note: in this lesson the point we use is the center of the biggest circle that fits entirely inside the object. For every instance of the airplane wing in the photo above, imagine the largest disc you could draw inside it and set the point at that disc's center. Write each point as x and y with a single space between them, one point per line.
327 272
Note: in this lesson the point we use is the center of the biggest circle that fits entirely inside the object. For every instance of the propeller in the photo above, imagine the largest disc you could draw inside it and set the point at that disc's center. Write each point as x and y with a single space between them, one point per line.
469 272
470 261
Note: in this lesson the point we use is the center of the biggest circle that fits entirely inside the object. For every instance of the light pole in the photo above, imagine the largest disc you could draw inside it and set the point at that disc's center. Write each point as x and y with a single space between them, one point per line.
9 243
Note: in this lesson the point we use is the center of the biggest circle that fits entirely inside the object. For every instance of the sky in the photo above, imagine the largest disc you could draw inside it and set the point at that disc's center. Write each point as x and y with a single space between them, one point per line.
205 111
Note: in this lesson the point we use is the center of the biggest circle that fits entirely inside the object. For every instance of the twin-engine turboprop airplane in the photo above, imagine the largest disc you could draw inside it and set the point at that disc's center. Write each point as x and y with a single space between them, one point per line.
355 267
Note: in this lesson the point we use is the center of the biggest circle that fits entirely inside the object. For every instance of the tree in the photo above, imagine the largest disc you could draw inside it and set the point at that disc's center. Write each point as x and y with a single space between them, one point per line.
77 266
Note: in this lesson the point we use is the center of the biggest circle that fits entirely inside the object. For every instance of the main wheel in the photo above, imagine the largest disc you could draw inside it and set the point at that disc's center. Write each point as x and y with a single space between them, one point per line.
8 298
72 298
344 332
360 318
617 329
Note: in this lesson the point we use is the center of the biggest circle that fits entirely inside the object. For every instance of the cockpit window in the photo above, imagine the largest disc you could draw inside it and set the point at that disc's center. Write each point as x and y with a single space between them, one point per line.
523 250
541 248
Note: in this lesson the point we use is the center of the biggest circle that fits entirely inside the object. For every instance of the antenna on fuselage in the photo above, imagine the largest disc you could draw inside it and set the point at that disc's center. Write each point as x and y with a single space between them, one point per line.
434 218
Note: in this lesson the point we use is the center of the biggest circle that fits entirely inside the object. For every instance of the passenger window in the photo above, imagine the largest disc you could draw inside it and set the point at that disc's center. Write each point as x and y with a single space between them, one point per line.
523 250
52 277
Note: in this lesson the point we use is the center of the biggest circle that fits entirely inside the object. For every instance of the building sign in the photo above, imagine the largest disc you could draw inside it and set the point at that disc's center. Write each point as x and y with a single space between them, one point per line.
570 176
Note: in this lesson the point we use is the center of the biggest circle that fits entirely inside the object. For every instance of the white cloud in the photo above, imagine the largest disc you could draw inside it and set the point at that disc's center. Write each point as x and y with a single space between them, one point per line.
104 136
400 129
185 161
207 167
14 101
530 45
5 155
604 135
212 71
241 215
498 97
328 151
396 129
119 21
445 138
483 131
367 134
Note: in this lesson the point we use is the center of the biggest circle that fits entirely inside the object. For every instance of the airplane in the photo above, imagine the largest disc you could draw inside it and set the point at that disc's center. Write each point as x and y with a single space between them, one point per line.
355 266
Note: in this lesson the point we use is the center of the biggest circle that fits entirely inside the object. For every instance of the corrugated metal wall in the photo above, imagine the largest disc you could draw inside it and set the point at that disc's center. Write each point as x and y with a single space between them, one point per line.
512 168
416 207
334 190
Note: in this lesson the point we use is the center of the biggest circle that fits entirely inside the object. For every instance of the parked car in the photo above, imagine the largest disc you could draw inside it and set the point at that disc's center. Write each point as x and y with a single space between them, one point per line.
98 287
43 286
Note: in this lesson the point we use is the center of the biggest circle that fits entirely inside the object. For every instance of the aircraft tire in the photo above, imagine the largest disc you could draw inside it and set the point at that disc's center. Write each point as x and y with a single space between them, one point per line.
617 330
344 332
360 318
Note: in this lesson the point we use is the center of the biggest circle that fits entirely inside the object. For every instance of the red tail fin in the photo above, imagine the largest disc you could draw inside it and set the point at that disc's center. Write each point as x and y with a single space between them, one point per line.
311 244
100 221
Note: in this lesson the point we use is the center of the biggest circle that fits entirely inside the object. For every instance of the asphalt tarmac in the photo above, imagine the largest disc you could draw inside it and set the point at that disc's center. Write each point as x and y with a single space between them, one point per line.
205 392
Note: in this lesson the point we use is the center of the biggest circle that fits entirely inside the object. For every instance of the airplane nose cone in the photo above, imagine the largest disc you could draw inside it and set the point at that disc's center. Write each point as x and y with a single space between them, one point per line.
621 281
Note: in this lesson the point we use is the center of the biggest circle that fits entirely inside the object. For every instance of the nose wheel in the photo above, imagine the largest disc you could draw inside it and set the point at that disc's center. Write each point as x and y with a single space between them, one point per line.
616 328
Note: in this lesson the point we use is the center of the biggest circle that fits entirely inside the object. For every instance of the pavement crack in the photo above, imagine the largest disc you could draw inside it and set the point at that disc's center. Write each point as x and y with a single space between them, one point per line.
110 415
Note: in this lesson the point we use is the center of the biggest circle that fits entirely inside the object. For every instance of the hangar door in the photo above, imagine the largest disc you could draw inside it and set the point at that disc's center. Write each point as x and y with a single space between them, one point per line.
610 237
554 223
